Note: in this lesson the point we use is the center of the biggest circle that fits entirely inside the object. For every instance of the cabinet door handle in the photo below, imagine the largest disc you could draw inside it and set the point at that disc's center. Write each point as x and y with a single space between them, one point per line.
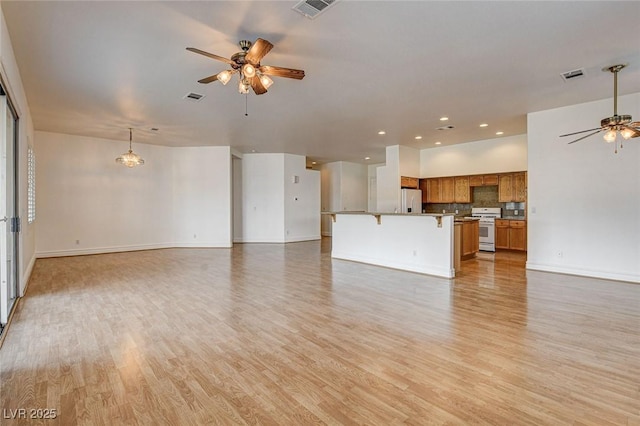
4 219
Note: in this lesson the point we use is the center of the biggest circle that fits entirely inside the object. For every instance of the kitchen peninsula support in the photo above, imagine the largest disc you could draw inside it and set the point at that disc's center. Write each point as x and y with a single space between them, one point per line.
412 242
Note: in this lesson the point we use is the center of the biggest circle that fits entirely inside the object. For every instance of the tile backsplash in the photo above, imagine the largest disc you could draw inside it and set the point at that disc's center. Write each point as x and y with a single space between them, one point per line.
483 196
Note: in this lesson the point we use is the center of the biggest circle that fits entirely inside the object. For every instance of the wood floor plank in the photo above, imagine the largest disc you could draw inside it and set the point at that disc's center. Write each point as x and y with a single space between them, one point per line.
283 334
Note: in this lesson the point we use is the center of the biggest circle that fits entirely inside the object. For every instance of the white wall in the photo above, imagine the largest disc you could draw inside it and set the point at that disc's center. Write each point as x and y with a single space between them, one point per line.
584 200
236 166
86 203
201 196
409 161
508 154
301 200
263 198
372 178
388 182
271 213
344 188
13 85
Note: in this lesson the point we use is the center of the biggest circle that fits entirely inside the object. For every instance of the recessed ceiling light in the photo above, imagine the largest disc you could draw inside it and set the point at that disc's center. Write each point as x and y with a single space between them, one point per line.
499 133
418 137
438 143
367 158
314 162
444 118
484 125
382 132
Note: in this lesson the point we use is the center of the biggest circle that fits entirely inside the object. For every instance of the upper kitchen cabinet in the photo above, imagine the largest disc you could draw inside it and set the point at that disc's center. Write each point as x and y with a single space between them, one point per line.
462 189
432 187
512 187
408 182
483 180
447 190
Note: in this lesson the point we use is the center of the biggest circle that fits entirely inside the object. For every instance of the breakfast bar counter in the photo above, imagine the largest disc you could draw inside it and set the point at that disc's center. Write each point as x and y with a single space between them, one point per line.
421 243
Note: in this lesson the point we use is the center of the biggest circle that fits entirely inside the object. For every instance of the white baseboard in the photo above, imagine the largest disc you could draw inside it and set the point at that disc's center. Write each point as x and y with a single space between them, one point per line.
100 250
305 238
591 273
24 282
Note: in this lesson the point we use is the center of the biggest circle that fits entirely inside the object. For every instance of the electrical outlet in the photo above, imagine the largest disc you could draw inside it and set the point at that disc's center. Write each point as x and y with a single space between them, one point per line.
515 212
195 236
77 242
415 253
456 211
559 254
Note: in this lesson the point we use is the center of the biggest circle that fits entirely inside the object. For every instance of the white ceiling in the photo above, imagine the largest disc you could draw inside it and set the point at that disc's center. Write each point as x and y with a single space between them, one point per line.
96 68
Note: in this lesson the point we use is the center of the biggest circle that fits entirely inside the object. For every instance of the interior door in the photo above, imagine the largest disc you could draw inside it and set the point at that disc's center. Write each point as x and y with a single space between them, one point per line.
9 221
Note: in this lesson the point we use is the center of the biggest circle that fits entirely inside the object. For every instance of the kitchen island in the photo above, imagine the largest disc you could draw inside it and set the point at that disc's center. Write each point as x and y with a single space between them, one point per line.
421 243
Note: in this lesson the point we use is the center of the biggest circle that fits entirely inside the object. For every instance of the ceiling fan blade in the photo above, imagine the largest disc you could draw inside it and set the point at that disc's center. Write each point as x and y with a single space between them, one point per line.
257 86
636 131
581 131
584 137
258 50
211 55
209 79
282 72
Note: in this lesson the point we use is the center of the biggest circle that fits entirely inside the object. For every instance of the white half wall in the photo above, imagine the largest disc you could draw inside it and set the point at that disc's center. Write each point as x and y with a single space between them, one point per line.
508 154
584 200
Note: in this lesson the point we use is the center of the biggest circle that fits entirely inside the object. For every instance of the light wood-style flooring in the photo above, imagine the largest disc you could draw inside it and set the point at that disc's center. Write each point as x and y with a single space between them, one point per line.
283 334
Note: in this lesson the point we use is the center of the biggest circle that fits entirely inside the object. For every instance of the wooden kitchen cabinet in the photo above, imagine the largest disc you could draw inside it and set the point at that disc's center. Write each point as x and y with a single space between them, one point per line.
512 187
470 238
447 190
520 187
425 190
462 191
408 182
483 180
505 188
511 234
502 233
433 190
518 235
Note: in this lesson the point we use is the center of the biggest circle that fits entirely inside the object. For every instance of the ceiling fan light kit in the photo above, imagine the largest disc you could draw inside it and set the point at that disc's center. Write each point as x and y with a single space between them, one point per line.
247 64
617 127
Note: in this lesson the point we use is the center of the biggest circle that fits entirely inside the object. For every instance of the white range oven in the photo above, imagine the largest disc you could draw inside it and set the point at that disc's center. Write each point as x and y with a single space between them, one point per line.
487 225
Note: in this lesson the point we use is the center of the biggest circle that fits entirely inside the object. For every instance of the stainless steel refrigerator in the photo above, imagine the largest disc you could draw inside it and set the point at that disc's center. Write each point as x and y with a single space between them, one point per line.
411 201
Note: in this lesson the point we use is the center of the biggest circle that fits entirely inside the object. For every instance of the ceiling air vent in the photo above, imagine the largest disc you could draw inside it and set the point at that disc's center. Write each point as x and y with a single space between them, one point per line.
449 127
570 75
191 96
312 8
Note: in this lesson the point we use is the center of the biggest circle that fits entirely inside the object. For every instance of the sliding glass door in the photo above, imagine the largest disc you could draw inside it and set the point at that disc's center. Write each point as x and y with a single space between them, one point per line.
9 220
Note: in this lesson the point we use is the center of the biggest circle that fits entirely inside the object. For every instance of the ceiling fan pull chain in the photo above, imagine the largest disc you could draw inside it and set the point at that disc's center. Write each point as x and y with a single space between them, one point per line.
246 102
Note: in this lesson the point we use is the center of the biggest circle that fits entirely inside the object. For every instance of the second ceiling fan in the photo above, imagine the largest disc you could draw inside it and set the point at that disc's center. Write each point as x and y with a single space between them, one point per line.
247 64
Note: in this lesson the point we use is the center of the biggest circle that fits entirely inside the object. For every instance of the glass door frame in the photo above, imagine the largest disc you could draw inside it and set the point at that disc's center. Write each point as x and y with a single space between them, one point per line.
9 228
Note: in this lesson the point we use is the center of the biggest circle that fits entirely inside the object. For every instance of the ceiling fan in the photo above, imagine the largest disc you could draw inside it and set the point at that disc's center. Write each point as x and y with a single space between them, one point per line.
616 124
247 64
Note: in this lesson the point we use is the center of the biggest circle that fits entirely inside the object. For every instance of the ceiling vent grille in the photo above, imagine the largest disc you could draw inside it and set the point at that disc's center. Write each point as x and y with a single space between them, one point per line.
191 96
312 8
570 75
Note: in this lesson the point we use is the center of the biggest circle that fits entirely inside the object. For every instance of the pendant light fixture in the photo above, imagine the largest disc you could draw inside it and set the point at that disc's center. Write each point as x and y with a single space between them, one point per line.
130 159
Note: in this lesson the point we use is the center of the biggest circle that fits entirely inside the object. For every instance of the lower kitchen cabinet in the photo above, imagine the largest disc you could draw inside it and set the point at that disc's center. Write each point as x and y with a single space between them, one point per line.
511 234
470 238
